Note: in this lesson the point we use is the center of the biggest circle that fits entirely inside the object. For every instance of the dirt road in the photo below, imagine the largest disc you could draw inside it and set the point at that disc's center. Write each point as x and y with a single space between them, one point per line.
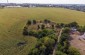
54 51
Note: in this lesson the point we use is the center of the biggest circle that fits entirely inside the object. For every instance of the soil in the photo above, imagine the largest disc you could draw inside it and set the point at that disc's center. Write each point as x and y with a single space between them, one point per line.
78 43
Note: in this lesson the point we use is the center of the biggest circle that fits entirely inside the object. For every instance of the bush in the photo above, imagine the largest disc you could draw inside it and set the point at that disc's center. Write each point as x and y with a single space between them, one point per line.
53 26
73 51
34 22
81 29
42 26
60 53
29 22
66 30
38 27
46 21
25 31
73 24
32 33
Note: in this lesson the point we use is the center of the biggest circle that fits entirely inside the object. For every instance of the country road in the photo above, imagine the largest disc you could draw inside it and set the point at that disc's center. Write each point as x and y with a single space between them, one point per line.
55 47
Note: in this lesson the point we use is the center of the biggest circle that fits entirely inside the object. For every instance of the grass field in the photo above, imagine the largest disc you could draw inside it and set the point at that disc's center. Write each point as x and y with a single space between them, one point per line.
12 21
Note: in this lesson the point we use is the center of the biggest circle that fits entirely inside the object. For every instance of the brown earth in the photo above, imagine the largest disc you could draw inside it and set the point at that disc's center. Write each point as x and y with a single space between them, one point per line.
78 43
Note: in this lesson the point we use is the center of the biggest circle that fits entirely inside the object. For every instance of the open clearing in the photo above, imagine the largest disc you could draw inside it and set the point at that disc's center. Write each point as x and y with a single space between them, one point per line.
12 21
78 43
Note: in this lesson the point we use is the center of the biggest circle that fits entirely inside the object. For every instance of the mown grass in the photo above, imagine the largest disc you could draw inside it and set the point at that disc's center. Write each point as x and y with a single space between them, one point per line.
12 21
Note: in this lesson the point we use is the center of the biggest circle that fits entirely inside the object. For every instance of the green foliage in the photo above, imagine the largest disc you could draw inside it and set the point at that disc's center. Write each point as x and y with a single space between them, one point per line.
73 51
25 31
47 21
32 33
72 24
63 45
81 29
41 33
34 22
53 26
66 30
38 27
58 25
48 41
45 43
29 22
63 38
42 26
60 53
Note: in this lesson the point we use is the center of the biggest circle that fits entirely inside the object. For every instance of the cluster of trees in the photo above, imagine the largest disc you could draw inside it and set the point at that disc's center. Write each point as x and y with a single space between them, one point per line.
81 29
72 24
47 21
47 38
30 22
33 22
41 33
45 43
64 47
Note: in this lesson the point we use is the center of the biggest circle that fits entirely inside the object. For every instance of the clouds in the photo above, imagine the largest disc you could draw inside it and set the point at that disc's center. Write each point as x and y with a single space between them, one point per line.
46 1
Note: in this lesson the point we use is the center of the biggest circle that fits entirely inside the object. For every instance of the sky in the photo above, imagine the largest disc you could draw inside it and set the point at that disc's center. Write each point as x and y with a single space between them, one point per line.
46 1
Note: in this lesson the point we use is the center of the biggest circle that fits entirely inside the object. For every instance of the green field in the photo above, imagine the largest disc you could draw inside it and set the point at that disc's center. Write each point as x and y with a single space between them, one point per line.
12 21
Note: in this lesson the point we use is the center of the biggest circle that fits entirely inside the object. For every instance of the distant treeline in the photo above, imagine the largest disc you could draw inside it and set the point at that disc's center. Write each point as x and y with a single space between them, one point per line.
78 7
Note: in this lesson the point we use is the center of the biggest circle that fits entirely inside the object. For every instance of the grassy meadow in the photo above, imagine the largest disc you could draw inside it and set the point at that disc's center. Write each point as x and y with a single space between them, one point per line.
12 21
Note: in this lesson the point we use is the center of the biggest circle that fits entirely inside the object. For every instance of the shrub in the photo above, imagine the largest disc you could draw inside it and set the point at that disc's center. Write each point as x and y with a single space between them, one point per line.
60 53
42 26
29 22
25 31
34 22
81 29
47 21
73 51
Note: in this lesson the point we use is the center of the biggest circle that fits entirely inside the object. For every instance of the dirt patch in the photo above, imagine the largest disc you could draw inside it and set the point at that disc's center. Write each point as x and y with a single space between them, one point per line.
78 43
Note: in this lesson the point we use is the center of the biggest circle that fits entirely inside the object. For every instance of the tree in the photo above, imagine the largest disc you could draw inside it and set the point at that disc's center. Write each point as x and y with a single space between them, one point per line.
34 51
81 29
42 49
47 21
73 51
34 22
53 26
58 25
38 27
29 22
63 38
25 31
73 24
60 53
62 24
66 30
42 26
32 33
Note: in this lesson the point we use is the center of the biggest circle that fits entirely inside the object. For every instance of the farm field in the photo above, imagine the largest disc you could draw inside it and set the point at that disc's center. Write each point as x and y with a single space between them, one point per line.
12 21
